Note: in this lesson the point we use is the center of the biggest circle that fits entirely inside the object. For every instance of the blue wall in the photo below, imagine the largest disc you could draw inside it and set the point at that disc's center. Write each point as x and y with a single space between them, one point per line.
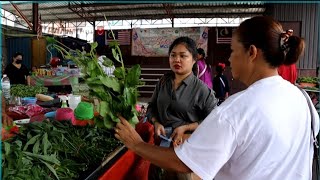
19 44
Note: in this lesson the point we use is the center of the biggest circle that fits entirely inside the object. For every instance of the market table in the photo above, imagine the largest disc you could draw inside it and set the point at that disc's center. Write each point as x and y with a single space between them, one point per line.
54 80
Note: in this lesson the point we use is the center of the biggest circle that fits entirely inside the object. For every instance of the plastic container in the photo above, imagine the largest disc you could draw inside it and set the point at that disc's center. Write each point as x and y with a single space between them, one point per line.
64 114
5 84
29 100
74 100
130 165
50 115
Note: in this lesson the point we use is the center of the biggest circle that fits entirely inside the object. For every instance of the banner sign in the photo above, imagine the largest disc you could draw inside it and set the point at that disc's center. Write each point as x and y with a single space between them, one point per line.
156 42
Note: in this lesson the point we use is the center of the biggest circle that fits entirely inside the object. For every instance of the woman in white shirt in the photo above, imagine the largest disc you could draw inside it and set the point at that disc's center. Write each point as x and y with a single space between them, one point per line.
263 132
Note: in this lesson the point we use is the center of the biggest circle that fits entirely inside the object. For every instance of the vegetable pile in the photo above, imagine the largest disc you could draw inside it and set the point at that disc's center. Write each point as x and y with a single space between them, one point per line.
118 94
55 150
308 80
20 90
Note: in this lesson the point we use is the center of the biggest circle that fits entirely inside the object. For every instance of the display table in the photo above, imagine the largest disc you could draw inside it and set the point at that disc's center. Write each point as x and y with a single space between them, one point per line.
54 80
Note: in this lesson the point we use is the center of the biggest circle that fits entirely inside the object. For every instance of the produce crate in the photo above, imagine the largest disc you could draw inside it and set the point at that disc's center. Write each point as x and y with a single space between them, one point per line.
108 164
124 164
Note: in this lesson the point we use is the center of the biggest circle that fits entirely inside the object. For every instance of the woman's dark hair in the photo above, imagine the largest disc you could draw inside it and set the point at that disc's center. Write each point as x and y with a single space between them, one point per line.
201 52
17 54
188 42
100 50
265 33
219 69
195 69
192 48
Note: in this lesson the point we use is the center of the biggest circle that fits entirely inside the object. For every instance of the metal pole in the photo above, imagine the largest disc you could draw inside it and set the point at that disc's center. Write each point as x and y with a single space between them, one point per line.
35 20
94 30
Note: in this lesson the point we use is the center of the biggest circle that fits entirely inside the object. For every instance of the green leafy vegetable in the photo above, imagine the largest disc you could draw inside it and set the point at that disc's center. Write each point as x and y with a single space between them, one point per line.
55 150
21 90
118 94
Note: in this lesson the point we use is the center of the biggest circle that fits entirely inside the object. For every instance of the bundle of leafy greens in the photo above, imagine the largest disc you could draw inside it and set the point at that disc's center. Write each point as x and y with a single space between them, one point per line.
21 90
118 94
55 150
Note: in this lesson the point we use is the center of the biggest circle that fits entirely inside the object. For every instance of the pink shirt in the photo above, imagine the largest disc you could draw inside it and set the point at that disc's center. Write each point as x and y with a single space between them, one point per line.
204 76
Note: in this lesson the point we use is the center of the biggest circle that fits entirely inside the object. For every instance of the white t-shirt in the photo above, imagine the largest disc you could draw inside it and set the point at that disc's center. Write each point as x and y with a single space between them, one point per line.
107 70
261 133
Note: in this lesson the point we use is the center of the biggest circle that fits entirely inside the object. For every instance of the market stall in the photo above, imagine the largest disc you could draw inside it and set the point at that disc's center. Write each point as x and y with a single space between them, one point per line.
53 80
51 142
59 136
56 79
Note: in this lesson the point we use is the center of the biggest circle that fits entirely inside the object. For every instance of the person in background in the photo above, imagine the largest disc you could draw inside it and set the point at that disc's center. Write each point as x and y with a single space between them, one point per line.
180 101
286 71
204 69
263 132
107 70
220 84
17 72
34 70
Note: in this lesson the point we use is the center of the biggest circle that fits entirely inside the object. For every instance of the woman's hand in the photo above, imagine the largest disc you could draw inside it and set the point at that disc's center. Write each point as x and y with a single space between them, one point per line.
159 129
127 134
6 120
178 136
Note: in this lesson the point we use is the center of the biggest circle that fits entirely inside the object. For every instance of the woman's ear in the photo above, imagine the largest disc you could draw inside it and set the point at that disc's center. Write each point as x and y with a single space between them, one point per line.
253 52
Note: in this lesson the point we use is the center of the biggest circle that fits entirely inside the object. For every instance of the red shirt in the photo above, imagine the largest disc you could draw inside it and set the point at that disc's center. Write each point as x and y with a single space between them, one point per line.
288 72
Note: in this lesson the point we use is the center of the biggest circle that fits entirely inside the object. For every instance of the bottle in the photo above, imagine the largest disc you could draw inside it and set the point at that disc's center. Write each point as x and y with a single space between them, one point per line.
5 83
64 104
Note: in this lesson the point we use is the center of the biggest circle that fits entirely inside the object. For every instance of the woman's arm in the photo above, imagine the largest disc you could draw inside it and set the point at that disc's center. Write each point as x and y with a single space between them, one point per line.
28 80
160 156
6 120
208 103
179 134
152 111
191 127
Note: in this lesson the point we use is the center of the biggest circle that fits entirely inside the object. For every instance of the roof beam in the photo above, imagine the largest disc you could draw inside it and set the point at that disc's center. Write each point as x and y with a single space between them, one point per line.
169 10
153 17
102 8
46 8
22 15
78 9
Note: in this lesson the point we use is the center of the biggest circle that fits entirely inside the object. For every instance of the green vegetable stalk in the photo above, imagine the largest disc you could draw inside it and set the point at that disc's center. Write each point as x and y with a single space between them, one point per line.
55 150
118 94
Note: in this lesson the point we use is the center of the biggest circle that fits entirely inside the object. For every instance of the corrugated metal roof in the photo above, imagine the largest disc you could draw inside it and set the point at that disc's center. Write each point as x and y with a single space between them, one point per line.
77 11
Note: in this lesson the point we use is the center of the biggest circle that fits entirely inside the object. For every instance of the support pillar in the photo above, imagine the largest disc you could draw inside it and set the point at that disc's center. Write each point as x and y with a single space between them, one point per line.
35 19
94 30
